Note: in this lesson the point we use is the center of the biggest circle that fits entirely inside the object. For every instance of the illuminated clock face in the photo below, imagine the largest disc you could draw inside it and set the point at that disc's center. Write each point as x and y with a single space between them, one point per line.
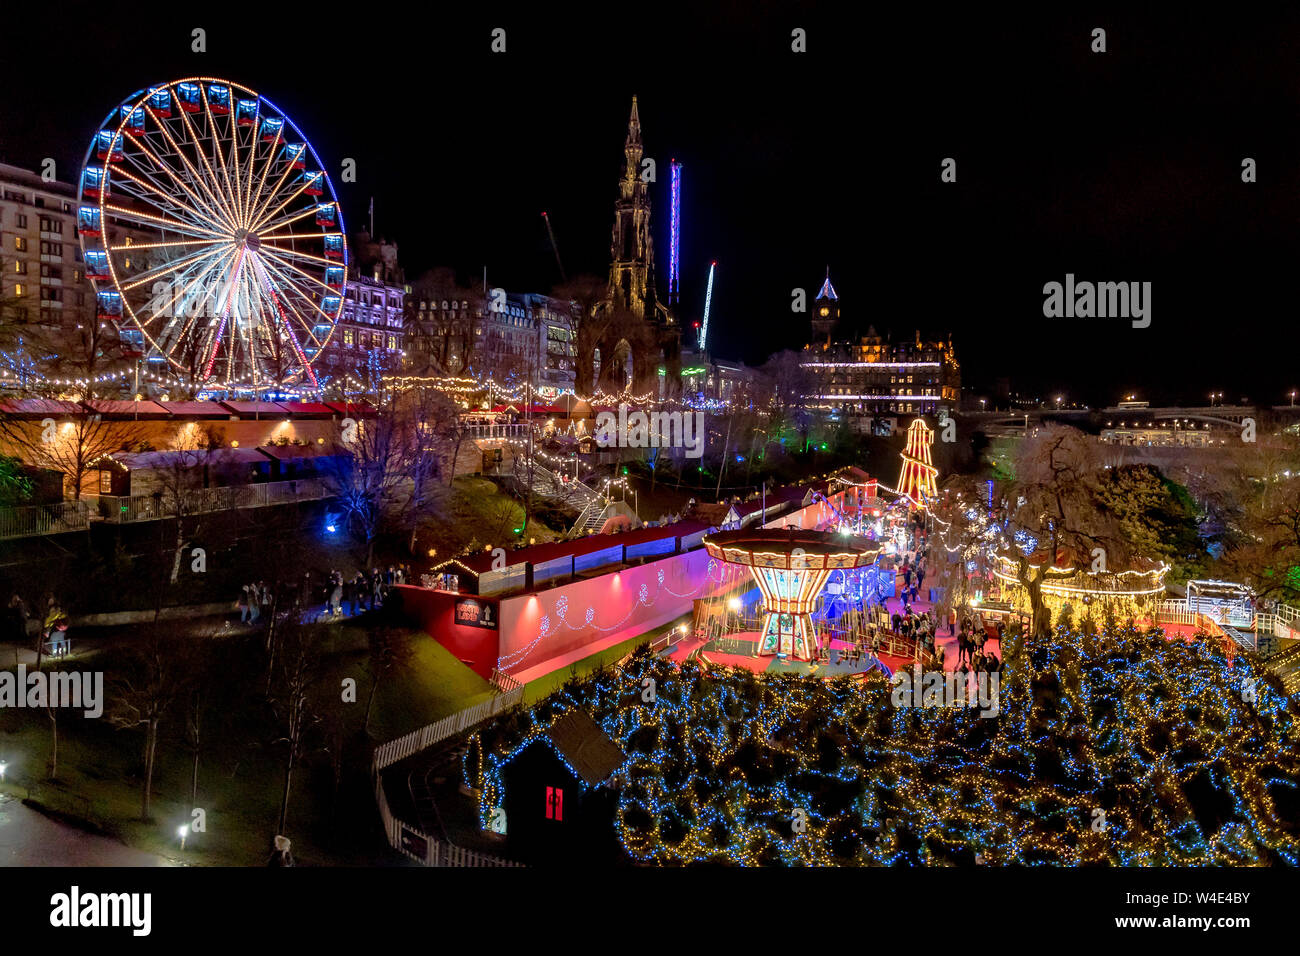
825 311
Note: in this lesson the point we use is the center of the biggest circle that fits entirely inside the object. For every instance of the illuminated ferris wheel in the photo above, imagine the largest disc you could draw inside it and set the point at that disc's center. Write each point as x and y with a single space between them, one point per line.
213 235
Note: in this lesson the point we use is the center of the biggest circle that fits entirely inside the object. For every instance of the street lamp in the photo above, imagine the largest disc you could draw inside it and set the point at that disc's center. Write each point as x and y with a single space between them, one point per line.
1293 398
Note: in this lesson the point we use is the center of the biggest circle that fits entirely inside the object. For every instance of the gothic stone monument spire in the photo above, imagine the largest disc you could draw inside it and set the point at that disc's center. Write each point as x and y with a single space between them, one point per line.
638 318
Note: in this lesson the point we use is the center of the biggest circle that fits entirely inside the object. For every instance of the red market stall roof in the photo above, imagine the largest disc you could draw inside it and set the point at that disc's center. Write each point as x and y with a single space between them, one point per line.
39 407
308 408
117 408
255 408
542 553
212 410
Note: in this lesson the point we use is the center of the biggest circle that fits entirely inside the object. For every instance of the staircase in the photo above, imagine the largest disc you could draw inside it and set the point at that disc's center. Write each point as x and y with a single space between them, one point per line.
590 520
547 484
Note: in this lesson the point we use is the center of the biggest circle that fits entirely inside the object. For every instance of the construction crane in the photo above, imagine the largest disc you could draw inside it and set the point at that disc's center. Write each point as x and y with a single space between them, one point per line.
708 299
556 249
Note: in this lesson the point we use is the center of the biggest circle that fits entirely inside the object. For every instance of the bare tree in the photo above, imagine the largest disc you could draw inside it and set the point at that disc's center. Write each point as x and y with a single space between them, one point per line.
1255 490
144 697
389 652
588 325
388 472
71 440
1054 514
299 670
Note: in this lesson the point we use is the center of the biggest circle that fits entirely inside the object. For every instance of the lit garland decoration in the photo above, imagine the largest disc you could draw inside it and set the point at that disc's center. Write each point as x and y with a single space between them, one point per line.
1186 759
1132 593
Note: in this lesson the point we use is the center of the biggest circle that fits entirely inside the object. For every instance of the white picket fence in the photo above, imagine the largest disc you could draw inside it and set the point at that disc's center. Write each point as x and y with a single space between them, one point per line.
402 836
388 754
422 848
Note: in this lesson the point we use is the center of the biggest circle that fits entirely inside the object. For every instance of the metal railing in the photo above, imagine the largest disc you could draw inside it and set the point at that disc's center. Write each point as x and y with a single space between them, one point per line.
31 520
518 430
124 509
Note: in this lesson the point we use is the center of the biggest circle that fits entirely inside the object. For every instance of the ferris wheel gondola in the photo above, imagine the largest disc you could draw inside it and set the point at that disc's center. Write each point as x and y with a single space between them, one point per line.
209 225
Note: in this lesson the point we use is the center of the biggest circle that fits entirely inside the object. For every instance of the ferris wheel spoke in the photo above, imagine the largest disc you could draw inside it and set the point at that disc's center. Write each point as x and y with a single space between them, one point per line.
285 220
158 194
157 272
269 288
207 275
135 246
298 254
171 157
232 188
165 201
230 294
290 285
266 217
212 205
254 143
153 165
144 218
264 202
192 129
326 289
198 139
258 201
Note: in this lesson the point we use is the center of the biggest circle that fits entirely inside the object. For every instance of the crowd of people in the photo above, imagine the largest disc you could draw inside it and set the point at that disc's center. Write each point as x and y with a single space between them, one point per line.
53 626
323 597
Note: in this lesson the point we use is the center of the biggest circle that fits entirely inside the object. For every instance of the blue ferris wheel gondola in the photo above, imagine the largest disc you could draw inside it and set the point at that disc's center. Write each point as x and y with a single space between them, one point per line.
246 112
97 264
94 182
219 99
189 96
108 304
88 221
160 101
108 148
271 127
312 184
295 155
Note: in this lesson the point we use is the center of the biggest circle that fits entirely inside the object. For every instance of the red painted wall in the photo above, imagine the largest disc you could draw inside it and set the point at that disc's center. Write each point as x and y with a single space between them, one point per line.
434 612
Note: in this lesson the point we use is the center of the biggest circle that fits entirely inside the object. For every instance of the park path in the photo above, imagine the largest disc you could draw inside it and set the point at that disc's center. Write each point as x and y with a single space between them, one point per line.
29 838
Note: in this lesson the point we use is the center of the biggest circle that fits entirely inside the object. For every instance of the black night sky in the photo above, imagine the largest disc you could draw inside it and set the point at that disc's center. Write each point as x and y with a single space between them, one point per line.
1123 166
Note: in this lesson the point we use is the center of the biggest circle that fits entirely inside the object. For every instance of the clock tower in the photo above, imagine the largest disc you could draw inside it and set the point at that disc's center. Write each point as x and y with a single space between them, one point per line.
826 313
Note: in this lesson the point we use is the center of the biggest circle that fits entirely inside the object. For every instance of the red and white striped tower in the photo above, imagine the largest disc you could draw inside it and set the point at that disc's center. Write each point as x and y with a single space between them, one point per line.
916 480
